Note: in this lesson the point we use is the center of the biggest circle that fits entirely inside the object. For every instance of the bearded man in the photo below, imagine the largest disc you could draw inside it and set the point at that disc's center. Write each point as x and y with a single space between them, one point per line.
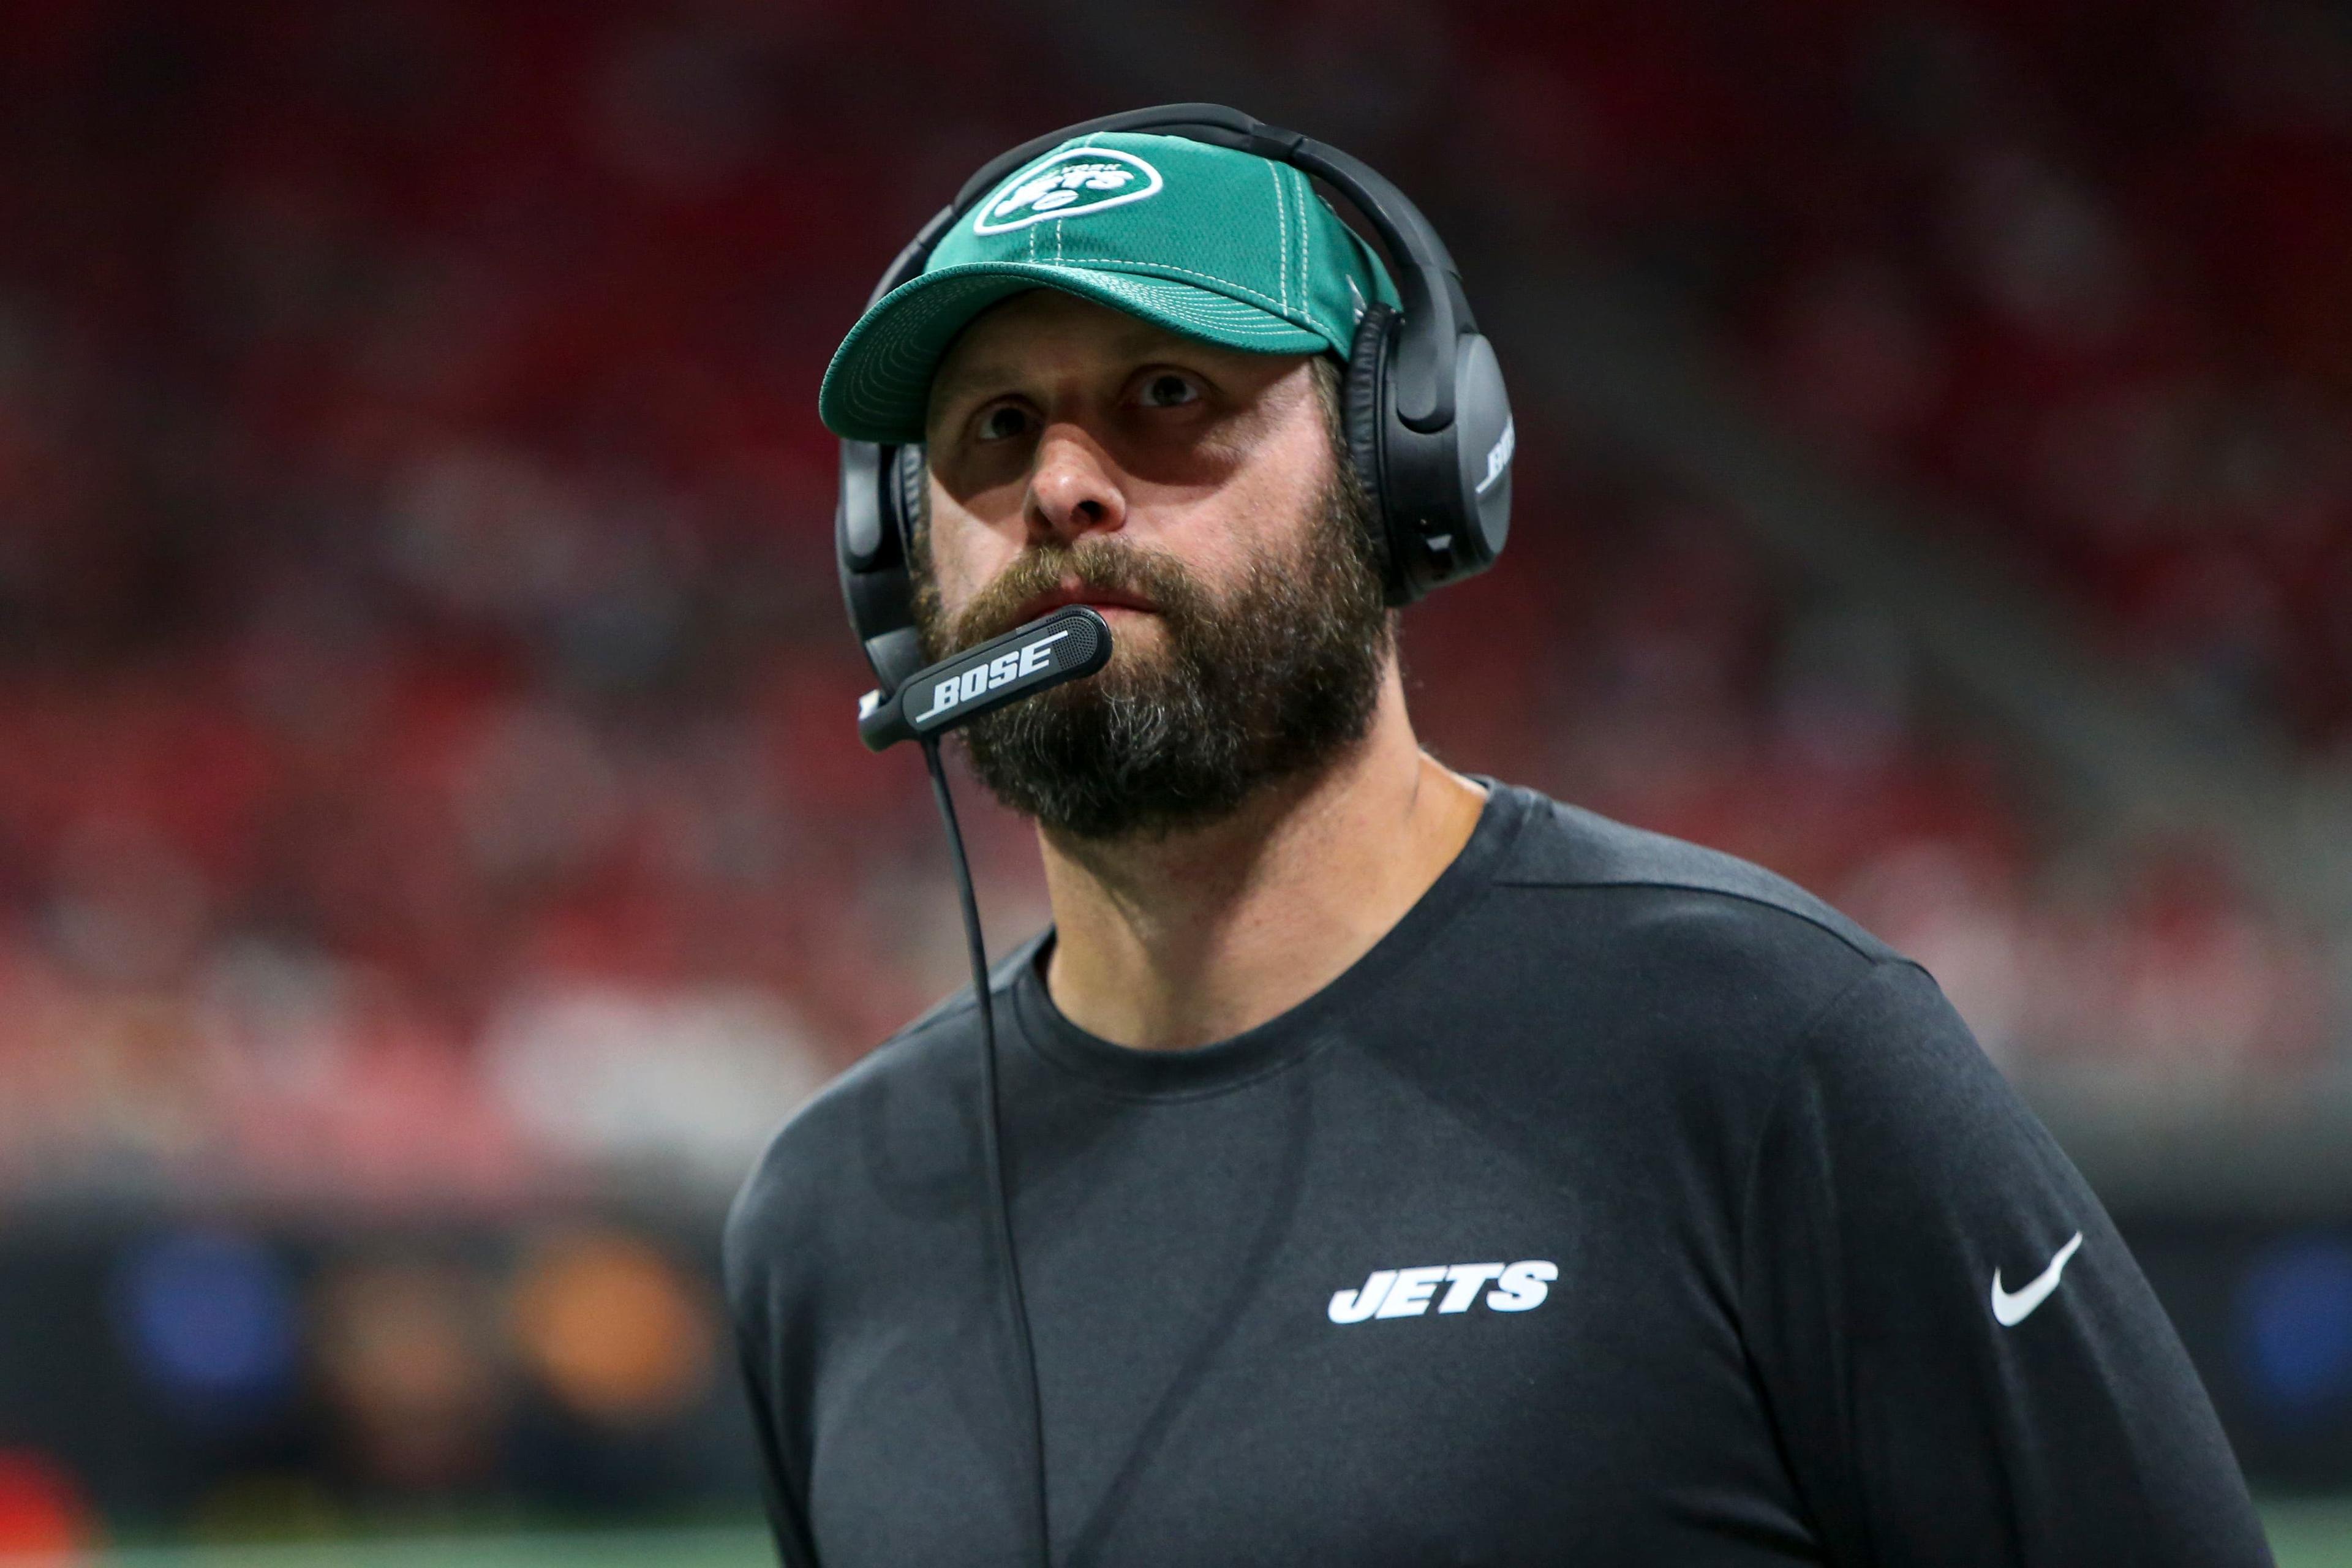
1403 1168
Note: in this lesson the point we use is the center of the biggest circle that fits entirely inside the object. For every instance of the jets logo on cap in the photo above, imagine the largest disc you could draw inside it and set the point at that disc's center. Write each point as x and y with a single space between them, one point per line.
1076 180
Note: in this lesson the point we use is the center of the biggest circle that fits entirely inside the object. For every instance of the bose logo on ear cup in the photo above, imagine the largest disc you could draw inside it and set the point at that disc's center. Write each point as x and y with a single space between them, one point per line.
1498 456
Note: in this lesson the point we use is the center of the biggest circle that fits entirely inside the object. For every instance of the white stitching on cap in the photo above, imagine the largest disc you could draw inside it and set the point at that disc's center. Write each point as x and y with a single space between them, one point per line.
1281 230
1306 193
1279 305
1305 240
1061 231
1223 325
1217 310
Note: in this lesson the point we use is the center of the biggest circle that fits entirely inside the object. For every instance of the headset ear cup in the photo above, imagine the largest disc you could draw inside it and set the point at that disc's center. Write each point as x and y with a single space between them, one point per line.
912 476
869 548
1366 389
1486 440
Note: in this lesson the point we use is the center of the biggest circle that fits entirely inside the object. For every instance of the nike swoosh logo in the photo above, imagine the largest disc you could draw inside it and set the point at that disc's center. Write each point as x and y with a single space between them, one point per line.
2011 1311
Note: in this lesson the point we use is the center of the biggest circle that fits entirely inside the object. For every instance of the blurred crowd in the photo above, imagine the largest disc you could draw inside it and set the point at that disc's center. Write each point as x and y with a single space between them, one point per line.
426 761
2082 271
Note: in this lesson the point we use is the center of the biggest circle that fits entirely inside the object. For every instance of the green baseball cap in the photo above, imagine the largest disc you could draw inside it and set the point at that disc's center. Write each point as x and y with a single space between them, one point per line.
1209 243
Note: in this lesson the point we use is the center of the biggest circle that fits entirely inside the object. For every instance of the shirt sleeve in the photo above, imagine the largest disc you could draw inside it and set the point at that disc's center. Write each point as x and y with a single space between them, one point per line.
1964 1363
785 1521
749 1297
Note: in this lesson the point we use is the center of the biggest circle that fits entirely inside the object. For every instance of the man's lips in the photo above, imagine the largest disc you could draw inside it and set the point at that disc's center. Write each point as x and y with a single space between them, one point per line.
1080 594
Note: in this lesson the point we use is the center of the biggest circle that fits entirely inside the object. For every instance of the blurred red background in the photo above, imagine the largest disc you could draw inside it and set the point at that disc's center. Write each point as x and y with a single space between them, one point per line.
427 780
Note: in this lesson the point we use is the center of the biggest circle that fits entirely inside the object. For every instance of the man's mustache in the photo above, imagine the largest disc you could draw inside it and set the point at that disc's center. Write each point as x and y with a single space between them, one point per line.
1100 568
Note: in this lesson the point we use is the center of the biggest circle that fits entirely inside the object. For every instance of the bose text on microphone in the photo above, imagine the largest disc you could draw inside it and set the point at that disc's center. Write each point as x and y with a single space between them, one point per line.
1061 645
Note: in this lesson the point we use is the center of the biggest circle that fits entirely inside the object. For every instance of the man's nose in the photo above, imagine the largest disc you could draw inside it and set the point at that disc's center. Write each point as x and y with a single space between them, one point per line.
1074 489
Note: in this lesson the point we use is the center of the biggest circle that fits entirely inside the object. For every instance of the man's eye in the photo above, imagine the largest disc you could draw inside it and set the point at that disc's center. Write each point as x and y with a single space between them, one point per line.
1169 391
1001 423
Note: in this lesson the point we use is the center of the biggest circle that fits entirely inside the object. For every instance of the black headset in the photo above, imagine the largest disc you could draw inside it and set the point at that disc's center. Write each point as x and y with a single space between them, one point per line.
1429 424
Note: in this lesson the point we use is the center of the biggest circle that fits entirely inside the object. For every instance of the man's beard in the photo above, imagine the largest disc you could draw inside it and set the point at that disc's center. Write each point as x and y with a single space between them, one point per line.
1267 681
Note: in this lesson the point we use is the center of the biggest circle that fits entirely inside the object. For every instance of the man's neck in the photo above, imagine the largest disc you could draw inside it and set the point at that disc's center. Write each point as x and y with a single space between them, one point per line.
1175 942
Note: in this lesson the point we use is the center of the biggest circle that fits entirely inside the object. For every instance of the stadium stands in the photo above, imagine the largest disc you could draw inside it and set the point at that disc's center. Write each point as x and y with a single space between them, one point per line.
425 761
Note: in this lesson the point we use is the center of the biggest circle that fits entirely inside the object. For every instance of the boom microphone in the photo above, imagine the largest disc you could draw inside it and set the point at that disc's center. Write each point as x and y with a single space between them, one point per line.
1060 646
1057 647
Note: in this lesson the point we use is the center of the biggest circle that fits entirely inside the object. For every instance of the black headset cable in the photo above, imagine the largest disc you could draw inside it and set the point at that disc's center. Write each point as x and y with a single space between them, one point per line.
992 1138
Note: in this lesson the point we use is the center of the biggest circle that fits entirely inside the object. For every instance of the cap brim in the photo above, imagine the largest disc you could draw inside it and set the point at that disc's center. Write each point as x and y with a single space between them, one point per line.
879 382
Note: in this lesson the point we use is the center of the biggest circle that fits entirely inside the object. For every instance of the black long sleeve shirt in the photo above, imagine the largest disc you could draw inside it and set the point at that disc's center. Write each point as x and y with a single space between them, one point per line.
1624 1204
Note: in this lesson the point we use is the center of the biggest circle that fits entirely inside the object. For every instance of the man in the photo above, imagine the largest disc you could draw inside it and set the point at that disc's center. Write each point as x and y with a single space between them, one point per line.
1404 1168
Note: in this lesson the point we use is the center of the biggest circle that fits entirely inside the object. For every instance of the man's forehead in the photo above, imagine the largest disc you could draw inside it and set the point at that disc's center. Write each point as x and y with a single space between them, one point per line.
1006 344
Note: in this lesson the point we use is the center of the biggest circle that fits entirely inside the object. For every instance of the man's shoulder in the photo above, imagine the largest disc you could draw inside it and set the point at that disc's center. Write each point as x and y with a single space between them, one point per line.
1670 886
901 1109
1714 953
1672 969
